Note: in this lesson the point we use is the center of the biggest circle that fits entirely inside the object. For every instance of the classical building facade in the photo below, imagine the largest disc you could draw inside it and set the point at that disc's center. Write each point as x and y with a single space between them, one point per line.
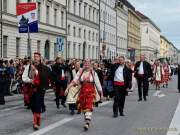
122 28
107 29
164 47
134 34
83 29
150 38
52 24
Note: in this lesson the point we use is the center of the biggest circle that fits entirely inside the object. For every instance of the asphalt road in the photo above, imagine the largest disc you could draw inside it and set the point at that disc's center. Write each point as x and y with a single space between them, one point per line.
152 117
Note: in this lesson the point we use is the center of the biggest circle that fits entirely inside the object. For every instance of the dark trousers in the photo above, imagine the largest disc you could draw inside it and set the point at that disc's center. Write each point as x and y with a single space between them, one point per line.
143 86
119 99
2 90
60 95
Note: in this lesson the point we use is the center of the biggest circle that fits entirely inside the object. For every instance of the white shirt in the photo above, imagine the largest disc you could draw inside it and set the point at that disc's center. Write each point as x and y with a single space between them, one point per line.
141 69
119 74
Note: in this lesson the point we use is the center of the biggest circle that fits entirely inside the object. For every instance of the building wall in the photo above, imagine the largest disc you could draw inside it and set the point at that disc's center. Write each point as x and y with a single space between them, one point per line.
150 41
108 29
83 16
122 24
134 35
48 31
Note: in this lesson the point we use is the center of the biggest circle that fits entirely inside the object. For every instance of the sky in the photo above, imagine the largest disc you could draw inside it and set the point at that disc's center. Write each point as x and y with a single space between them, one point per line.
165 14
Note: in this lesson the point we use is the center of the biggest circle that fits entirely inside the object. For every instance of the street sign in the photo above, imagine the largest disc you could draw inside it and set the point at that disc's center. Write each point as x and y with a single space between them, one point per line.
60 44
27 17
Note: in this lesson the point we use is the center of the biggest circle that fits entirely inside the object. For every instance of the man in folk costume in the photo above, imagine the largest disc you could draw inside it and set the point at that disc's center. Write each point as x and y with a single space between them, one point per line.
88 94
59 70
72 95
158 74
27 91
167 74
178 78
39 75
142 72
122 77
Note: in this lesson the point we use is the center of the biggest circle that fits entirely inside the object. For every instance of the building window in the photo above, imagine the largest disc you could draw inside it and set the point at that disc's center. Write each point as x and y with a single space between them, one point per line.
85 6
17 46
79 33
79 48
74 7
69 6
68 49
69 28
74 50
55 50
5 38
80 9
89 51
93 15
47 14
89 13
74 31
5 5
84 34
62 18
89 36
97 37
93 36
39 11
93 52
55 17
38 46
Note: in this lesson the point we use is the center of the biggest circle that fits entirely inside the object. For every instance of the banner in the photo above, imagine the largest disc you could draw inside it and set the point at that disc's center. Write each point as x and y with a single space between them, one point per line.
27 17
60 44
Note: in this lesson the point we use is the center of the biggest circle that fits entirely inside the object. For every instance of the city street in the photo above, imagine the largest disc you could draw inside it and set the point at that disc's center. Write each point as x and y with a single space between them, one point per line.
142 118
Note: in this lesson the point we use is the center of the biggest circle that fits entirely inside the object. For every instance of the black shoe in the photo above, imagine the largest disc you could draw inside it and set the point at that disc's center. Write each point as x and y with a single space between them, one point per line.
145 99
28 107
115 115
64 105
122 114
139 99
57 106
36 127
2 103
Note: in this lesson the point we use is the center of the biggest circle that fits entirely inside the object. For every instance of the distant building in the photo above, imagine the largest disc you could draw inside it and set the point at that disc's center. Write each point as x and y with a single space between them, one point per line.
150 37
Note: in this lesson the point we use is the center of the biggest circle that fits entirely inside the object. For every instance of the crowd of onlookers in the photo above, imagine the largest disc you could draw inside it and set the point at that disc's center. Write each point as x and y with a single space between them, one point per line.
14 70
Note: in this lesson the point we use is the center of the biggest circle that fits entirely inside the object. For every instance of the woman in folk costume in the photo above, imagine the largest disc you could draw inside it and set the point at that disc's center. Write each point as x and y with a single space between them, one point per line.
158 74
72 95
88 95
167 73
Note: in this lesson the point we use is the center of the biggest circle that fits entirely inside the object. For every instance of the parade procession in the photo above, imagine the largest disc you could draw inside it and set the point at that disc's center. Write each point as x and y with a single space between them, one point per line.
96 67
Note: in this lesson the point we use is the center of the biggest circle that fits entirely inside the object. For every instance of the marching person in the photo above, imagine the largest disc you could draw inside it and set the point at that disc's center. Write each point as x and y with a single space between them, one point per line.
3 77
158 74
178 78
88 94
72 95
59 70
142 72
38 75
167 74
122 77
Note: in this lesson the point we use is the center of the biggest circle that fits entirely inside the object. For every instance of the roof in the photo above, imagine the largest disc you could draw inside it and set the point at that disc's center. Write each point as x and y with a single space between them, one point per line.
145 18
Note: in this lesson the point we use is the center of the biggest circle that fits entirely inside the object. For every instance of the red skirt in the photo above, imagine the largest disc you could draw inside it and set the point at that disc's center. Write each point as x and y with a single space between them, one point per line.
27 92
166 77
87 97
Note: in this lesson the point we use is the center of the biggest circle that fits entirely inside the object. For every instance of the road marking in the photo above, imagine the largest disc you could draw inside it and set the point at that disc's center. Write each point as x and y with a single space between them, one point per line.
157 93
59 123
52 126
175 123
